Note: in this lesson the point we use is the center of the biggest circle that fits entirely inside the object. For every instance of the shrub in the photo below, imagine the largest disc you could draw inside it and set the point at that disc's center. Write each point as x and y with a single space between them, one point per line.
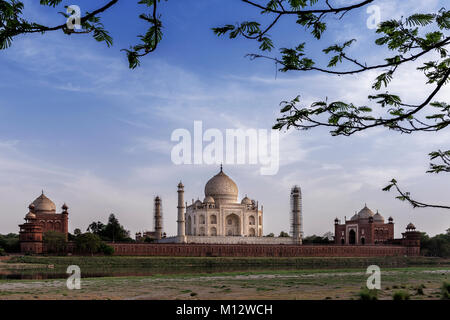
2 252
401 295
366 294
10 243
445 290
419 289
107 250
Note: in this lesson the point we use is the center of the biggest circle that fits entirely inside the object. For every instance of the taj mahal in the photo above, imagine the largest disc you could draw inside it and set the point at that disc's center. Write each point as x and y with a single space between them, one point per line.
223 225
221 217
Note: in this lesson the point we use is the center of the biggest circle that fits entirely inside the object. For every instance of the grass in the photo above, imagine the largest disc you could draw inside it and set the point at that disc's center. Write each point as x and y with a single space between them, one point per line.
227 262
445 290
367 294
401 295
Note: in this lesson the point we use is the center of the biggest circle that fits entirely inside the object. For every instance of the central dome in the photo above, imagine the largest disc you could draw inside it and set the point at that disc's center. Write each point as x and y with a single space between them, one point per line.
42 204
222 188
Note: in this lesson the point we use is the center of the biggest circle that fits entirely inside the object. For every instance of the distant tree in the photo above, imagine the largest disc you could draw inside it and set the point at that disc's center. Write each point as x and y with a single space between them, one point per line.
112 231
88 243
284 234
437 246
96 227
77 232
316 240
115 231
328 235
10 243
270 235
55 241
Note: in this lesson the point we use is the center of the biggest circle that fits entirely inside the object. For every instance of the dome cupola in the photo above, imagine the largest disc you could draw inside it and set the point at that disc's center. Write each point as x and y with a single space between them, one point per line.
222 188
378 217
42 204
365 213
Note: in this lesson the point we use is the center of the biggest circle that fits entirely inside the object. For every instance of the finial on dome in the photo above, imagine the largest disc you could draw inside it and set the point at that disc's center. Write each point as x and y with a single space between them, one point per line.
42 191
221 167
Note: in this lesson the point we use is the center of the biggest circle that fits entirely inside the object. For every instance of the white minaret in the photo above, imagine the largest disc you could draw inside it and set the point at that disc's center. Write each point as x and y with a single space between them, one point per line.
296 214
181 207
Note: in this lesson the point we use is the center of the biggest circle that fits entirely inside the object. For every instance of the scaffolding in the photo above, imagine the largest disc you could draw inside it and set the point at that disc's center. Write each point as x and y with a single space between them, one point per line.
296 214
158 218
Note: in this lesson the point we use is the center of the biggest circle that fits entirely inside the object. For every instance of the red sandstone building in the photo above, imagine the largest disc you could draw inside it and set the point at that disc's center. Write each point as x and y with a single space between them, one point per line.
365 227
42 217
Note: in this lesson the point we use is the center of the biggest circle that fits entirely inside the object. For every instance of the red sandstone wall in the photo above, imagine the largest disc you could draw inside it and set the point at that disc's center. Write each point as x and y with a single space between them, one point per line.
204 250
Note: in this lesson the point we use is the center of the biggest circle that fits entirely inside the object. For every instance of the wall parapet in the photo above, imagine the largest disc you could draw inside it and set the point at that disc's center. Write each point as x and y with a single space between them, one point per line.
260 250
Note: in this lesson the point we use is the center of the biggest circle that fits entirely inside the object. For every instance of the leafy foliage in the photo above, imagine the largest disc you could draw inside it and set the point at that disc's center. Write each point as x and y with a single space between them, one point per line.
437 246
10 243
112 231
55 241
88 243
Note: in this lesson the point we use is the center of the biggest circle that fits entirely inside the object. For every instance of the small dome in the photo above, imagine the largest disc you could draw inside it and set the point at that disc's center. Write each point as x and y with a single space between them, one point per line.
365 213
378 217
410 226
208 199
42 204
180 185
198 203
30 216
222 188
246 200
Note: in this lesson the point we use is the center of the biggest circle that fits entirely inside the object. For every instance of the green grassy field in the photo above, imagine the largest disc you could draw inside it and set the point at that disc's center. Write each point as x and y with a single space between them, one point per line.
297 262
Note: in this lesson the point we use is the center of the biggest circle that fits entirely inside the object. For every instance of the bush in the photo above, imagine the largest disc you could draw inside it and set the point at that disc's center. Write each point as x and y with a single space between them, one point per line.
10 242
366 294
419 289
401 295
445 290
2 252
106 249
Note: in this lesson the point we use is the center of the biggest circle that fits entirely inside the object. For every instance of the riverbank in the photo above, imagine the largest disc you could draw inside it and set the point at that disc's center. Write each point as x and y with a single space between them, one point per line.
344 284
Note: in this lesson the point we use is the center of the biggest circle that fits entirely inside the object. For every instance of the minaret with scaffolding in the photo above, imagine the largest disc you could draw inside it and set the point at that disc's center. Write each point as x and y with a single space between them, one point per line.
158 220
296 215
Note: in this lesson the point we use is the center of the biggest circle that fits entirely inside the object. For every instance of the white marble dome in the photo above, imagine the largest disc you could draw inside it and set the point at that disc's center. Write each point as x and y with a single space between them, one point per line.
365 213
208 199
222 188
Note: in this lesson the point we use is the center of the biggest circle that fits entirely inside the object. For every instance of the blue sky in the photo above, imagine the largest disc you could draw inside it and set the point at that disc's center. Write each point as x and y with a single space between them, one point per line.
76 122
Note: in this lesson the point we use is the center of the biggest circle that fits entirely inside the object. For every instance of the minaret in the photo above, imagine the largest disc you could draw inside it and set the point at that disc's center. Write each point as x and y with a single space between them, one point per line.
158 218
65 216
296 214
181 207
